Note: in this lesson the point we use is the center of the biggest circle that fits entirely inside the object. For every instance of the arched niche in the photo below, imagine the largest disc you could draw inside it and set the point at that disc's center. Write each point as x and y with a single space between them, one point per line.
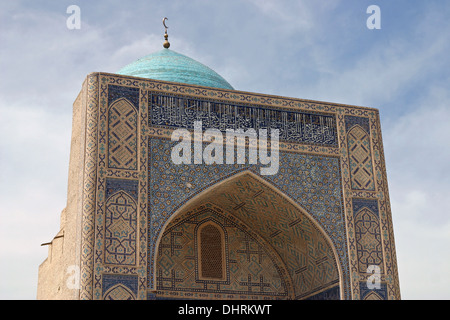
299 247
122 135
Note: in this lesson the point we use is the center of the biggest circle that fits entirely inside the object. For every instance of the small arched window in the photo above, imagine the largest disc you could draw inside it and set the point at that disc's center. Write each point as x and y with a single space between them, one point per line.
211 252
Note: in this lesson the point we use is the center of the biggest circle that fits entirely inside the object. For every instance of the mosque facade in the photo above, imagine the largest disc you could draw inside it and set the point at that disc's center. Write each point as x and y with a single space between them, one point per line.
147 218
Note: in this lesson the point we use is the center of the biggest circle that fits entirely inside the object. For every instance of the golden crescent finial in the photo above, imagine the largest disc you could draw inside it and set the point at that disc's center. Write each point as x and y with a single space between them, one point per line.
166 36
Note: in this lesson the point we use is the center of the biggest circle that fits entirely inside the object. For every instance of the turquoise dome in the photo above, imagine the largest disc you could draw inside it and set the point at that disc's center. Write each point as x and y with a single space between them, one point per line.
169 65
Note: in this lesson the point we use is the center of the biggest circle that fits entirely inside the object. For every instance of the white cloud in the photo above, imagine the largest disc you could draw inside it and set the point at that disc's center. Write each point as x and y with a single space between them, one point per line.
33 187
417 157
380 75
422 248
291 15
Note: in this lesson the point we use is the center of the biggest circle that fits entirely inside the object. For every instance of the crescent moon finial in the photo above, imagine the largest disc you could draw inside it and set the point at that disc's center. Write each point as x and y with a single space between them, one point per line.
166 36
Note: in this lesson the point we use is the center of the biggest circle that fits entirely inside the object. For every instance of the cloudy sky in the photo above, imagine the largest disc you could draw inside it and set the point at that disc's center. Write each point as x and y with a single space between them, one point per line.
319 50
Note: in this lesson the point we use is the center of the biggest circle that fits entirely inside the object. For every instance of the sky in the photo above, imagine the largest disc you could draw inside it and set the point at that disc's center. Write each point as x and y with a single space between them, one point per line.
318 50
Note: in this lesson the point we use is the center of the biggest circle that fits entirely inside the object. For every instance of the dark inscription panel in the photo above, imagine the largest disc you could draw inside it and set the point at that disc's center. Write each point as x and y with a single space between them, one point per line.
294 126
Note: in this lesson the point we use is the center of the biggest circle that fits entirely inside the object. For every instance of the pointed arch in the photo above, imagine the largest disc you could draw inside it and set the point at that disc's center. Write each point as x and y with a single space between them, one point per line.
301 242
373 296
119 292
211 251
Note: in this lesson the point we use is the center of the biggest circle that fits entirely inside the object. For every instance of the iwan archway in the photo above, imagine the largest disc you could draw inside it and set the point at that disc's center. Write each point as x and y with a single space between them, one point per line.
242 238
313 229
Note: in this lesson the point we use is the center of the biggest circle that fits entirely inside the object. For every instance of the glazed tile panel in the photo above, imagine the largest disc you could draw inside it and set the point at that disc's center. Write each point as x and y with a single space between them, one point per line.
170 111
331 167
312 181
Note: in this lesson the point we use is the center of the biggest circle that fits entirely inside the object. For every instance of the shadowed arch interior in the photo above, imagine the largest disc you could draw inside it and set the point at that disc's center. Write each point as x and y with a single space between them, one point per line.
307 263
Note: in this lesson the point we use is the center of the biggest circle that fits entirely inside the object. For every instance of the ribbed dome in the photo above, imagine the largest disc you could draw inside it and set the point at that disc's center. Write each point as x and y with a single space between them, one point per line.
169 65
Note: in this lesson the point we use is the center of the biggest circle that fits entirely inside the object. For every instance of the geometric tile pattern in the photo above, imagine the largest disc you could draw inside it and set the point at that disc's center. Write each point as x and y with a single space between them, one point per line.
91 92
316 187
368 234
250 270
309 261
351 121
119 287
308 257
119 292
122 135
128 186
329 294
373 294
116 92
121 225
162 188
360 159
